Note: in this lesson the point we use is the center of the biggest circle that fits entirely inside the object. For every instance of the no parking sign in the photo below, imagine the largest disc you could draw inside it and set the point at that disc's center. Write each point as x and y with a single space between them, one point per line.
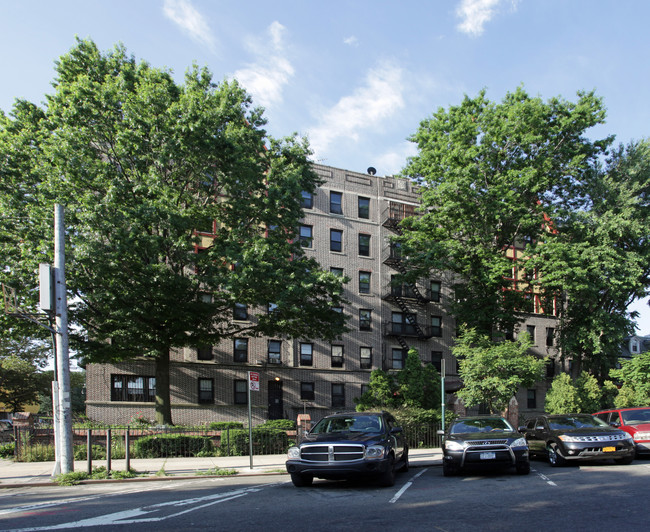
254 381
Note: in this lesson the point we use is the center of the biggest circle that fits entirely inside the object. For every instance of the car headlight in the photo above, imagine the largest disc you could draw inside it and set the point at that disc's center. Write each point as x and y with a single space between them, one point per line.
374 452
569 439
293 453
642 436
453 445
519 442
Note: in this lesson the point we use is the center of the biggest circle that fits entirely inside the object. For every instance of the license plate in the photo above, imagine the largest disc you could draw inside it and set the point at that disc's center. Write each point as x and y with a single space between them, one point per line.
488 456
609 449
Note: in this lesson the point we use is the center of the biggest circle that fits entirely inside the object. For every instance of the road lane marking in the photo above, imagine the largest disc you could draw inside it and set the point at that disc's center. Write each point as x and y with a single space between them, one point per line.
544 478
405 487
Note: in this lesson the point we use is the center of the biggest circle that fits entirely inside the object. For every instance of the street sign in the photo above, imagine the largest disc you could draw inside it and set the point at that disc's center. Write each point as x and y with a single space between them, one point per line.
254 381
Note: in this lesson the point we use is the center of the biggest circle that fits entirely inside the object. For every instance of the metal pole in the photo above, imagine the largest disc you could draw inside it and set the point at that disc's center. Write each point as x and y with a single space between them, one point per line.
62 359
250 422
89 450
442 391
108 450
56 421
127 449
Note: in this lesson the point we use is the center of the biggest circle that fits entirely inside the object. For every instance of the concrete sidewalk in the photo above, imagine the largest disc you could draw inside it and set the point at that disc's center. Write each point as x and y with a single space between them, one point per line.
20 474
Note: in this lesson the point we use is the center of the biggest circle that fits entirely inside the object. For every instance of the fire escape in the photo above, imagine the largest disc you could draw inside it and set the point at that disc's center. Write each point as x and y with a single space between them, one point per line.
406 296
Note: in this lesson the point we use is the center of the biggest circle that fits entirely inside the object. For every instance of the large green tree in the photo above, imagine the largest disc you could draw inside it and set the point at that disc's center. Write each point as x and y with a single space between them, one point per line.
141 164
21 379
492 373
634 379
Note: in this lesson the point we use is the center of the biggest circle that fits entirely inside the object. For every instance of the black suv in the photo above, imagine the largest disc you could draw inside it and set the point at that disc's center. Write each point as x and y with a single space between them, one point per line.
348 445
483 441
566 437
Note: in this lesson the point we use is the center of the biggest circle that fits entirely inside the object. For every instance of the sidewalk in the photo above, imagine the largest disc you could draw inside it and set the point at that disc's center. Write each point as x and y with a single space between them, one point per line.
21 474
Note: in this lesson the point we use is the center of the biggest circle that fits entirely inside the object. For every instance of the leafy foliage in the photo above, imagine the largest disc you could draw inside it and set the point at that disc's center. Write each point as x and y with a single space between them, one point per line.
581 395
634 377
21 379
493 372
172 445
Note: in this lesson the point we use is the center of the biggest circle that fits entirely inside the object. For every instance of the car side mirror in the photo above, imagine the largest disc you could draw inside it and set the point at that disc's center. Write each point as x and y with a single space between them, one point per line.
522 429
396 430
615 424
440 432
539 428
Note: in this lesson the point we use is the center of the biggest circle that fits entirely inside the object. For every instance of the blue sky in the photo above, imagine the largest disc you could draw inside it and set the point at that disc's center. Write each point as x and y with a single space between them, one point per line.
356 77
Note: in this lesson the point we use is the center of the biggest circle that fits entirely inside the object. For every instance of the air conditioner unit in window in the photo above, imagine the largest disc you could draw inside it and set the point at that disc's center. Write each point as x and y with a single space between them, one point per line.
275 361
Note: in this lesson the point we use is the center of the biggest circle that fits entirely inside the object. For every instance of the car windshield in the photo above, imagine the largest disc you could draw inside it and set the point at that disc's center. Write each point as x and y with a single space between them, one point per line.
495 424
575 422
636 417
348 424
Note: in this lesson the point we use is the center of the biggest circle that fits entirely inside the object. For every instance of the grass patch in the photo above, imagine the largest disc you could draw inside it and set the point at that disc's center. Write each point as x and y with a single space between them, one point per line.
217 471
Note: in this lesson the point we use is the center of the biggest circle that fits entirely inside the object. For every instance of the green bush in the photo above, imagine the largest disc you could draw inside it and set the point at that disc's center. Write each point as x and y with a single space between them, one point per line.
281 424
98 452
7 450
225 425
160 446
265 441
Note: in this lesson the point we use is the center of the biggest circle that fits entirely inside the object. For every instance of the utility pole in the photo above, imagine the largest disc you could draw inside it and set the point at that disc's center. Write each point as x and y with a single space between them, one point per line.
62 384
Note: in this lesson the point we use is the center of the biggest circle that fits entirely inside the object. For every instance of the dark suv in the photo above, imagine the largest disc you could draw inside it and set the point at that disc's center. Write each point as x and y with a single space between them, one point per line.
348 445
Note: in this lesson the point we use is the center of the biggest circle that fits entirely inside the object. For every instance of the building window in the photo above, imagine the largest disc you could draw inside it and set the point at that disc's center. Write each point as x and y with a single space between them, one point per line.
436 326
307 200
364 207
307 391
338 395
336 240
204 352
532 399
550 333
398 356
240 312
338 309
436 360
364 282
206 391
364 245
306 236
132 388
337 271
436 287
530 329
365 354
365 388
275 356
337 356
241 349
336 202
550 368
241 392
365 319
306 354
402 323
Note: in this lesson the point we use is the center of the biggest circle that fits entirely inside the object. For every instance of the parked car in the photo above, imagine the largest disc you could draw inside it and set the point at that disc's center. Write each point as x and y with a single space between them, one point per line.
568 437
634 421
348 445
483 441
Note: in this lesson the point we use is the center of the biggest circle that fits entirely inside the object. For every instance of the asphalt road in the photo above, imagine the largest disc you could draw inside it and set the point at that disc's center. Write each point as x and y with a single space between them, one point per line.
586 497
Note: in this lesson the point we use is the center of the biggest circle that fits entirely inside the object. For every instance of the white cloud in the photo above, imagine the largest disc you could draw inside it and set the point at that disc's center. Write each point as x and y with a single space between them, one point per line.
380 97
351 41
266 77
185 15
474 15
392 162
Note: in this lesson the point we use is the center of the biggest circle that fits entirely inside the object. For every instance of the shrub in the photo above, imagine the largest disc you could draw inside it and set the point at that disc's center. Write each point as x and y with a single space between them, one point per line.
71 479
280 424
172 445
265 441
81 452
225 425
7 450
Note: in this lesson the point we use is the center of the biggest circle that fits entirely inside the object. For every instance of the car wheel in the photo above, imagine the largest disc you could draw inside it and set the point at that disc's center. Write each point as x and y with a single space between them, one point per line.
624 461
387 478
301 481
523 468
554 457
448 470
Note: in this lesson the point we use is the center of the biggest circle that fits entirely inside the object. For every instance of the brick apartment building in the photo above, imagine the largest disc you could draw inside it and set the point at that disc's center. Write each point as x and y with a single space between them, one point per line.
347 227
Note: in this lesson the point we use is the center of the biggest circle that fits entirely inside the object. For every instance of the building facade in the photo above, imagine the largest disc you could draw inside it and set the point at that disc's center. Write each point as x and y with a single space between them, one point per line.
347 228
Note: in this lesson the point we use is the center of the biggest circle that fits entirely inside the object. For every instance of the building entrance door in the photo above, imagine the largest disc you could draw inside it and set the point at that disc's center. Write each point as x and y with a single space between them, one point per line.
276 405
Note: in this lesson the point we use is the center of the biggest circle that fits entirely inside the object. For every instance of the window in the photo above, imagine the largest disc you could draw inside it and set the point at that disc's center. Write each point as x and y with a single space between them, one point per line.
132 388
241 349
550 368
275 355
436 360
550 333
240 312
204 352
532 398
336 240
530 329
338 395
338 309
337 271
402 323
365 355
307 200
364 245
398 356
436 287
364 282
337 356
365 319
436 325
364 207
206 391
365 388
241 392
306 354
336 203
307 391
306 236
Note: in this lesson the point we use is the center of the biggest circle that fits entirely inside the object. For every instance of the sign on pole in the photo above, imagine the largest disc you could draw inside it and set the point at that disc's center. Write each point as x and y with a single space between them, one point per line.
254 381
253 385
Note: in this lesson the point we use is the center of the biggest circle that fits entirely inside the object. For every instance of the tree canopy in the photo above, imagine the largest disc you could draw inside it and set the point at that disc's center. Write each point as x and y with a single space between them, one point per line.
634 379
21 380
177 205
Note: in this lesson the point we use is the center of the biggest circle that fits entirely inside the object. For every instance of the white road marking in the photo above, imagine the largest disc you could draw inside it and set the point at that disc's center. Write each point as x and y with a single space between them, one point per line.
545 478
405 487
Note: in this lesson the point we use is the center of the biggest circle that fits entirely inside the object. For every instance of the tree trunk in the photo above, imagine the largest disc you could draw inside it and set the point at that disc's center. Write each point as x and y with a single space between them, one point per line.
163 401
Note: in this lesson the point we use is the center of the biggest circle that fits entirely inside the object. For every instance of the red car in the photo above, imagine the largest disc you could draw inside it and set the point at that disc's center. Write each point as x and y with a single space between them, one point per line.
634 421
